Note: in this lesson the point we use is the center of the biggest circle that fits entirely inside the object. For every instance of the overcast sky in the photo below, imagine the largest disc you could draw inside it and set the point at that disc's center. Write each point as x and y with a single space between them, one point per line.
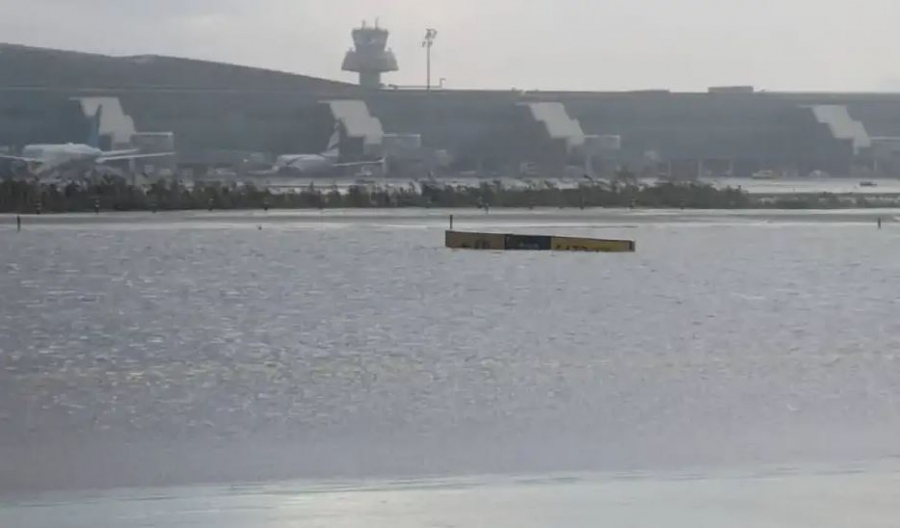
528 44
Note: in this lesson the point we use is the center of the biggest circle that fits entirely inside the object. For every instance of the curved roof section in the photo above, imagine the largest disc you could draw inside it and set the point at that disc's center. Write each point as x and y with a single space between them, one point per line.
24 66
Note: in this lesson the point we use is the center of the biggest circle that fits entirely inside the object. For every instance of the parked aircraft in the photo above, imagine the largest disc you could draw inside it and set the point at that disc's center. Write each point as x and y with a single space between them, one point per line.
316 164
47 158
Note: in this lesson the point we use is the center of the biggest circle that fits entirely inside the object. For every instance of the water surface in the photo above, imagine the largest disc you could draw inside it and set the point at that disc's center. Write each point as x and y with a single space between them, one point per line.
144 350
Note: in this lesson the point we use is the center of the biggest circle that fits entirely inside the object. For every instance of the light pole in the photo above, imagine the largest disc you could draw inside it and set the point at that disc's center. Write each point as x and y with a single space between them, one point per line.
430 35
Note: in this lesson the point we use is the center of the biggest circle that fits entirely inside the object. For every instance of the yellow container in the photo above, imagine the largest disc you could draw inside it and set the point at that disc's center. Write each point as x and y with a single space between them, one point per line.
559 243
500 241
463 240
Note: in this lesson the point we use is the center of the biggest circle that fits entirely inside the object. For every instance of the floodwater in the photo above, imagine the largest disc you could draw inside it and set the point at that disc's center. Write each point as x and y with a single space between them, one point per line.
739 366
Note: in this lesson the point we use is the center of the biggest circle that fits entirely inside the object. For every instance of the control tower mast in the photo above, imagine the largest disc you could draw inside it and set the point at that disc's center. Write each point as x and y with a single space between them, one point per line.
370 56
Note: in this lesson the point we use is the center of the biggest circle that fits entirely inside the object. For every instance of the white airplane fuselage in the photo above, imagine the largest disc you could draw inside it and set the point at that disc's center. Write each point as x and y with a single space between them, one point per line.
74 157
303 163
324 163
63 156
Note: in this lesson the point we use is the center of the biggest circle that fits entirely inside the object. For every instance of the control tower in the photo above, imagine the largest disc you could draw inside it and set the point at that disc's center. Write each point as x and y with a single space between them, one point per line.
370 56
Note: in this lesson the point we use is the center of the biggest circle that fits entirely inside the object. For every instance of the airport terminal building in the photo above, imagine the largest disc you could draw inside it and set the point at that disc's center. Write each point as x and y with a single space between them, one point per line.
218 114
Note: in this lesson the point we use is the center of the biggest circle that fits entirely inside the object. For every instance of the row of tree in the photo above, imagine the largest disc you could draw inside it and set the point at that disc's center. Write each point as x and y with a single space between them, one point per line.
113 194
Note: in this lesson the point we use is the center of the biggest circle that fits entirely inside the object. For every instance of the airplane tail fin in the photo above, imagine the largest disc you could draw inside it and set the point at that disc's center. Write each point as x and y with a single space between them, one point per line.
333 149
94 134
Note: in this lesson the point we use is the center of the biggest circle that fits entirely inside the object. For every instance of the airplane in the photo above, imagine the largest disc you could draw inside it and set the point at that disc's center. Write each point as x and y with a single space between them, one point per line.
314 164
47 158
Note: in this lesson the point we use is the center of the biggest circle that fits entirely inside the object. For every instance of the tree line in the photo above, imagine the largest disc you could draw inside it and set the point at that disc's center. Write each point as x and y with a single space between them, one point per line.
116 194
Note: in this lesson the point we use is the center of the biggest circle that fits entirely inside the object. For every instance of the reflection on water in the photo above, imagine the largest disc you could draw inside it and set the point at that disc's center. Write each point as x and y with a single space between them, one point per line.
171 350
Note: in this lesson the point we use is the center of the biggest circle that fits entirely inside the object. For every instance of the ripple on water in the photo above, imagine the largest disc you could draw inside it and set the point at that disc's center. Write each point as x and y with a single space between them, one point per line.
372 349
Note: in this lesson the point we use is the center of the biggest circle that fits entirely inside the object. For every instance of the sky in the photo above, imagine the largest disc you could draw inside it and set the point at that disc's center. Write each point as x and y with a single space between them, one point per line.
683 45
